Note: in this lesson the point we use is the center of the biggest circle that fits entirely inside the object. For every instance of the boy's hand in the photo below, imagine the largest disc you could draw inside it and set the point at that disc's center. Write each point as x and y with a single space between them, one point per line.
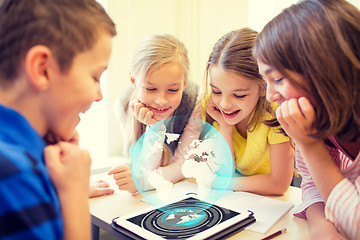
297 117
69 168
142 113
75 138
123 178
50 138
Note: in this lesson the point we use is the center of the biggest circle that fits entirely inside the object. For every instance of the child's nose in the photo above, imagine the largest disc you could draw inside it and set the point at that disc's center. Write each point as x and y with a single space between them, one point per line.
271 94
225 103
161 100
99 96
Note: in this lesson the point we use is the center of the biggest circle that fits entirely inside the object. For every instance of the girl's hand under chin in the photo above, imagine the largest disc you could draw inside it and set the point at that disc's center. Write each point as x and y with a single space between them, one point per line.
142 113
215 113
297 117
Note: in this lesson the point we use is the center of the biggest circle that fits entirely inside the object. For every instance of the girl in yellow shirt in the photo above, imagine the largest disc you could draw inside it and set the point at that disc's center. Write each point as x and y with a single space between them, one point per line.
263 157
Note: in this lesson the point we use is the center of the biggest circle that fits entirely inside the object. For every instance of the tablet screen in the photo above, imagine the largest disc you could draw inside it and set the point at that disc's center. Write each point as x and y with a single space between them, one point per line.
189 218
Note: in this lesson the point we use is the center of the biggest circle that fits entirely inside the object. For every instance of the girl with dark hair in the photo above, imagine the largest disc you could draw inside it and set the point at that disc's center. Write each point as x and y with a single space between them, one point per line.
309 56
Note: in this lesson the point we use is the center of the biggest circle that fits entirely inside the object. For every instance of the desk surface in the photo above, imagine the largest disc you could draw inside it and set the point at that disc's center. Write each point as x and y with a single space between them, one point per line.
103 209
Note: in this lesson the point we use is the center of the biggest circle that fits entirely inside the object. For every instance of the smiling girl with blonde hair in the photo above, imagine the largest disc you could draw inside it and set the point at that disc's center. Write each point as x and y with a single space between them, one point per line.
160 90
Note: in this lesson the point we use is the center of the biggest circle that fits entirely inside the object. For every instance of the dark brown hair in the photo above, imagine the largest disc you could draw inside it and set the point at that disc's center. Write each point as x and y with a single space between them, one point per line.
233 52
67 27
320 40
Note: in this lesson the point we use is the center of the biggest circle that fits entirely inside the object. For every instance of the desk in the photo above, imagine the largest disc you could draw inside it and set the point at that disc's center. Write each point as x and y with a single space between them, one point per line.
103 209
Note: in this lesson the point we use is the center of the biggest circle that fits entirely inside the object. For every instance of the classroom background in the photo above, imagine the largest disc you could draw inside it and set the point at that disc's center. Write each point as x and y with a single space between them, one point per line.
197 23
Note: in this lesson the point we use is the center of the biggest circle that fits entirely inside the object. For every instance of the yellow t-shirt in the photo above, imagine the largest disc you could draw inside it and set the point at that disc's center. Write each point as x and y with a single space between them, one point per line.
252 154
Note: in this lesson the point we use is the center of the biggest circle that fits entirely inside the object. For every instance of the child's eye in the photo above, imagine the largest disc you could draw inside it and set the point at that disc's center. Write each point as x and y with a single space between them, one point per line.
239 96
174 90
96 79
150 89
215 92
277 81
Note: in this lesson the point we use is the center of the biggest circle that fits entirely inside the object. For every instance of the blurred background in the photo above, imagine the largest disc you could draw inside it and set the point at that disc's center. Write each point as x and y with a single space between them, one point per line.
197 23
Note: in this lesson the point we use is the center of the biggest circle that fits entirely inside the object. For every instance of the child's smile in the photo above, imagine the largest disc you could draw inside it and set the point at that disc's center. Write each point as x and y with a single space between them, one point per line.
235 96
159 110
230 115
162 91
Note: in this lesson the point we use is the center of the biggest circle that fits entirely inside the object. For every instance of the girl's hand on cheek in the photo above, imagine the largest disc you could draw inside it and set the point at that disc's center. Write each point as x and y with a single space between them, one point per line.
297 117
215 113
142 113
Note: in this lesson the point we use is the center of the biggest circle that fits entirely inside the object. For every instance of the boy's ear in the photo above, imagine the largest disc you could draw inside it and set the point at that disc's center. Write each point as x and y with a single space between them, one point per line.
37 62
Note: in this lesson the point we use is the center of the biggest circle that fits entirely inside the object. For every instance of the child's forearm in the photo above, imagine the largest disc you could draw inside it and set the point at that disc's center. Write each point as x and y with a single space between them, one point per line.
319 226
76 216
264 184
227 133
321 166
343 207
152 147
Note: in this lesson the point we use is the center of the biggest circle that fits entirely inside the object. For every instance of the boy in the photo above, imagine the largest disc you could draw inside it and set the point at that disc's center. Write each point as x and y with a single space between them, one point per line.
52 54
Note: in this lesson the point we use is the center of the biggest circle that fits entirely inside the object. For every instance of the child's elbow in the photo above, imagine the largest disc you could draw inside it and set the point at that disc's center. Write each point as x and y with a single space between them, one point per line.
281 187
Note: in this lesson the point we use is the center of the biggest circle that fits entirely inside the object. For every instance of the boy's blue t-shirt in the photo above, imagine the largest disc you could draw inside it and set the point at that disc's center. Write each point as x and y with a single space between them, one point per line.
29 206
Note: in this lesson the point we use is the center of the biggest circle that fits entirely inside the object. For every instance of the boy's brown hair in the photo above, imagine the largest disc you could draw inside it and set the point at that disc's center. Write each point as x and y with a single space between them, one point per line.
67 27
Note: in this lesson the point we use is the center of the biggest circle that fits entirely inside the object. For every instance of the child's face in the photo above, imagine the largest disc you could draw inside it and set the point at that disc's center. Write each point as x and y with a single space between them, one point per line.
278 87
162 90
73 92
234 95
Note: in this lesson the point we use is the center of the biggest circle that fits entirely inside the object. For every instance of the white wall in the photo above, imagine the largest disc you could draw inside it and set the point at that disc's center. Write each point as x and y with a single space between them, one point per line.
262 11
356 3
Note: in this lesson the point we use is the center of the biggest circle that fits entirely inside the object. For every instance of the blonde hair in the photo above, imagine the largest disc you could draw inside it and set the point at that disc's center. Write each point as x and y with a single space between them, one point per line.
150 54
155 51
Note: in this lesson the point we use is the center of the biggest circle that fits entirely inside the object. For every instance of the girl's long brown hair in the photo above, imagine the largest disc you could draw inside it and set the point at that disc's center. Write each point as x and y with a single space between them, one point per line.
320 40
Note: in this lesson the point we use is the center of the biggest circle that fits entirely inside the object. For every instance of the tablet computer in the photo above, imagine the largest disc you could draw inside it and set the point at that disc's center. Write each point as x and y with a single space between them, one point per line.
188 218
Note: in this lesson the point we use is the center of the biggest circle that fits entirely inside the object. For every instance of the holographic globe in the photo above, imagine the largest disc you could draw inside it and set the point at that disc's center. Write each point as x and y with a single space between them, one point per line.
207 165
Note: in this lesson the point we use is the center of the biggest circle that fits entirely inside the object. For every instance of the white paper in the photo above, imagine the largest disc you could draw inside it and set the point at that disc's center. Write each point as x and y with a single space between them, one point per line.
267 211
